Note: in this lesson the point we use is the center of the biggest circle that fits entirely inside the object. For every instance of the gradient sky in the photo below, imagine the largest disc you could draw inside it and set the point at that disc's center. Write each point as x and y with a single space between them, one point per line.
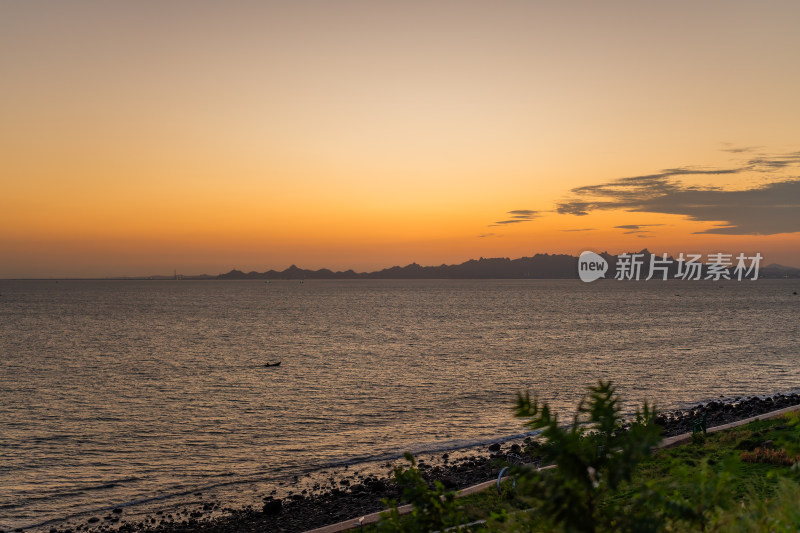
142 137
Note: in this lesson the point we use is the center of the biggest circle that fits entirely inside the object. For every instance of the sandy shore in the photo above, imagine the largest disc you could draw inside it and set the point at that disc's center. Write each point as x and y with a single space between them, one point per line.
356 492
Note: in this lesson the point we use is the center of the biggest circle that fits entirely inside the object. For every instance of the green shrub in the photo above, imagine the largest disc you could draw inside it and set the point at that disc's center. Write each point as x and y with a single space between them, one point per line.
593 456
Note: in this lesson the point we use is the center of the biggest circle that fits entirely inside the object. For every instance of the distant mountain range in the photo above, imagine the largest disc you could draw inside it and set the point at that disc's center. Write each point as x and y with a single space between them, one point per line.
540 266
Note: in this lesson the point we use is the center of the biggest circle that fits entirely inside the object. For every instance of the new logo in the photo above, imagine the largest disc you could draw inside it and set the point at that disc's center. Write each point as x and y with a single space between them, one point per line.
591 266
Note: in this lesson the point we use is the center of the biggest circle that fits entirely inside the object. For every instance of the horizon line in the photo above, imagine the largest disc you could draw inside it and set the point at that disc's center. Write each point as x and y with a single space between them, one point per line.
197 277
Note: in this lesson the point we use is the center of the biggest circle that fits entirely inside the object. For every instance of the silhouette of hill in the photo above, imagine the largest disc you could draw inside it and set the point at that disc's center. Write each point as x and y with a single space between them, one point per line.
540 266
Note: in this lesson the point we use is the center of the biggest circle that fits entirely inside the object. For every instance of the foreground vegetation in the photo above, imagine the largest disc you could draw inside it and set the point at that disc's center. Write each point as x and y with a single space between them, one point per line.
606 478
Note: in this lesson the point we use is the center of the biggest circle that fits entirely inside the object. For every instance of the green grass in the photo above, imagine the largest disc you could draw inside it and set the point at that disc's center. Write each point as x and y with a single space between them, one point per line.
721 451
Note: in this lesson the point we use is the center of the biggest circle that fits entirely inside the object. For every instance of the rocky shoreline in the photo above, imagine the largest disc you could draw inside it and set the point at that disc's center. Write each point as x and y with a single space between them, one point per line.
359 493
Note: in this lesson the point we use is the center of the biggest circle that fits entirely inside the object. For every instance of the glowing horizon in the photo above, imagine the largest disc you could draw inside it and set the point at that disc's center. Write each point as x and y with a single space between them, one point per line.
142 138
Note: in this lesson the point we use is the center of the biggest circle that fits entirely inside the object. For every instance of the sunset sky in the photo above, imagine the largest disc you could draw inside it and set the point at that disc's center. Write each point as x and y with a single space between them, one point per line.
142 137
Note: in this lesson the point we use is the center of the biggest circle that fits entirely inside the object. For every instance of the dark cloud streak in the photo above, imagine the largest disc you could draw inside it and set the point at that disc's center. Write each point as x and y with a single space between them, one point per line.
518 216
637 226
739 150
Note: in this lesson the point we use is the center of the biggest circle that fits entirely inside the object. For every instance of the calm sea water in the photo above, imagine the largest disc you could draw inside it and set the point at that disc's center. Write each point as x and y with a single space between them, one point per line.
120 391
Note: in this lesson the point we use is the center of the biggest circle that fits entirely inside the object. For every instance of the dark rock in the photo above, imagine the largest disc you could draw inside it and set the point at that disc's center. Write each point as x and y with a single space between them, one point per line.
377 485
449 482
273 507
494 447
93 520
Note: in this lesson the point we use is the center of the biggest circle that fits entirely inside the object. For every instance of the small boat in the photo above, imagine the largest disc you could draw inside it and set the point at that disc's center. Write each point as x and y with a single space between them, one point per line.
273 364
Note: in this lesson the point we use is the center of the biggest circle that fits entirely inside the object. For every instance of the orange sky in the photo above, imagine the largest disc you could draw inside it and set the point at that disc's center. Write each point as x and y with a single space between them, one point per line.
143 137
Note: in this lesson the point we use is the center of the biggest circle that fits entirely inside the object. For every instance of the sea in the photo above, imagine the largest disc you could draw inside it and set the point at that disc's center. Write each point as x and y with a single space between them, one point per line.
136 394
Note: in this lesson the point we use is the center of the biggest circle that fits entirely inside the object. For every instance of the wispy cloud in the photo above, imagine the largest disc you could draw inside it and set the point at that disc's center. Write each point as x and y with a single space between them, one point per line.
580 229
772 163
738 149
517 216
636 226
